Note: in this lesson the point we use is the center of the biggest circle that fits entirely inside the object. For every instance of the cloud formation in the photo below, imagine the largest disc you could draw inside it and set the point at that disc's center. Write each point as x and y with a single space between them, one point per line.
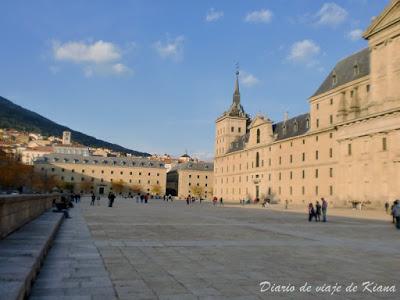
213 15
248 79
331 14
98 52
99 57
172 48
304 52
259 16
355 34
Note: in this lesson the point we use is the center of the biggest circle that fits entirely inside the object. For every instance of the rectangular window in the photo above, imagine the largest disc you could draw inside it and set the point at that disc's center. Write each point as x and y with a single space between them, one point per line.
316 173
232 129
316 190
317 122
303 175
348 149
303 190
330 119
291 175
280 160
316 155
331 101
280 176
384 144
304 156
330 172
368 88
330 152
291 158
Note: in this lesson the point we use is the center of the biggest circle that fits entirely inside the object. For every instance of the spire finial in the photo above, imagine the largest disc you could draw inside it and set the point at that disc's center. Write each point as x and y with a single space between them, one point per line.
237 69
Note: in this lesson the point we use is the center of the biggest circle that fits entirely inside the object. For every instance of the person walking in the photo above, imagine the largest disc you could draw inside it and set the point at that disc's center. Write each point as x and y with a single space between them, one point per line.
98 200
324 209
141 198
318 209
111 198
146 198
311 212
187 200
392 211
221 201
286 204
387 207
214 200
396 213
93 198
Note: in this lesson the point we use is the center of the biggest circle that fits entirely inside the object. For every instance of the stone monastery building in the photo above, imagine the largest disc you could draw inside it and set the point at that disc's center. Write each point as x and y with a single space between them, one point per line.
347 148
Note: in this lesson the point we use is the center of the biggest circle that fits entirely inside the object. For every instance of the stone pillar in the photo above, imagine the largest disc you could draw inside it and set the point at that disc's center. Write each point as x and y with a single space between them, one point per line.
355 104
342 111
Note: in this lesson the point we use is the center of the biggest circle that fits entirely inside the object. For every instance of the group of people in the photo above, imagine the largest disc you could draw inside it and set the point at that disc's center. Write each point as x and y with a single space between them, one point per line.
167 198
395 212
76 197
191 199
315 212
215 200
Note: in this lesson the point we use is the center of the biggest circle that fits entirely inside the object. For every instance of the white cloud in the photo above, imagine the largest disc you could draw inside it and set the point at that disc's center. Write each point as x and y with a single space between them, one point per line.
248 79
355 34
81 52
97 58
259 16
331 14
304 51
172 48
213 15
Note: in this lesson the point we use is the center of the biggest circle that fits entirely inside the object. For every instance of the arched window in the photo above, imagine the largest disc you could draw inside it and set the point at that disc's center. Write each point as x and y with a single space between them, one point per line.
307 123
258 136
257 159
296 127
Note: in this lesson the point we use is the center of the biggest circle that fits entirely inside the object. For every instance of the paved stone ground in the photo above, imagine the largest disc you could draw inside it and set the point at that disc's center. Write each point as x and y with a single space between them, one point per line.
172 251
73 269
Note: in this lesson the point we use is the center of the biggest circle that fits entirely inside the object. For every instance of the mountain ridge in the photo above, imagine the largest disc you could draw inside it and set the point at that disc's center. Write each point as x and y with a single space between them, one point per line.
17 117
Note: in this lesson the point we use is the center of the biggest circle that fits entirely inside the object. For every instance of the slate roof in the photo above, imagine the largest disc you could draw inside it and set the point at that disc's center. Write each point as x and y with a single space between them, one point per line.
239 143
294 127
344 71
98 160
197 166
281 133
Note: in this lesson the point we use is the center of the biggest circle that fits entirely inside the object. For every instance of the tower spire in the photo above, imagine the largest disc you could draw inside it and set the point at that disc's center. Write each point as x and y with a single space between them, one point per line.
236 93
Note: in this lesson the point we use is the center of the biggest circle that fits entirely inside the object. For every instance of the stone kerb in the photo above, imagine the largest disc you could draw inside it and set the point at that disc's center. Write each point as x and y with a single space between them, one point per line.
17 210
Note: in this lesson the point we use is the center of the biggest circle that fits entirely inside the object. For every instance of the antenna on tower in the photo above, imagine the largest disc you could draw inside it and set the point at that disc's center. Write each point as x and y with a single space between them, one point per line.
237 68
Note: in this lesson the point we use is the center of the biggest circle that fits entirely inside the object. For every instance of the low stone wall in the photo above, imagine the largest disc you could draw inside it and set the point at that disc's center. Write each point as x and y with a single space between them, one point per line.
17 210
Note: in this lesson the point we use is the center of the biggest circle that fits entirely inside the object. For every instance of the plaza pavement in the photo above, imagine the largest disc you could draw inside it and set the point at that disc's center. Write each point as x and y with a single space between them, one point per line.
173 251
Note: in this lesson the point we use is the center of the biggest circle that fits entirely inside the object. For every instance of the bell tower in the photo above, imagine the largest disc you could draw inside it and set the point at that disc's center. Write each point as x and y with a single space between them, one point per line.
231 124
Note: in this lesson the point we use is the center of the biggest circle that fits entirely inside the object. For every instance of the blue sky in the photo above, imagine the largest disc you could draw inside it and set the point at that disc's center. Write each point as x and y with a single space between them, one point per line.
154 75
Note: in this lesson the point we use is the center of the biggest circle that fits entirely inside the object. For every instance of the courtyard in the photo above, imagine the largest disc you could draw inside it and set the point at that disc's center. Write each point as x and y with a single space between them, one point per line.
165 250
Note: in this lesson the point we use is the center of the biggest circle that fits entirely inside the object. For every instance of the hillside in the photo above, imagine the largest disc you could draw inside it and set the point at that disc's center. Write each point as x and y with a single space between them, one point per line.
19 118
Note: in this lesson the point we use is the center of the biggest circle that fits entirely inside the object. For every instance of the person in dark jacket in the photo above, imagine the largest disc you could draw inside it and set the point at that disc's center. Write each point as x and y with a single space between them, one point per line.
111 198
318 209
311 212
93 198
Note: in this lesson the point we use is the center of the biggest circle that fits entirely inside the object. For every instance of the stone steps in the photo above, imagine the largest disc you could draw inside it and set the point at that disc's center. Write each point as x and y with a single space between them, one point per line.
22 254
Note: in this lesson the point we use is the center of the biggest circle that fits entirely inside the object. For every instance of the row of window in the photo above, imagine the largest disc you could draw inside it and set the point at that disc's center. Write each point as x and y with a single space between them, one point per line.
92 179
83 171
105 162
271 192
291 173
198 176
260 163
197 184
384 146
